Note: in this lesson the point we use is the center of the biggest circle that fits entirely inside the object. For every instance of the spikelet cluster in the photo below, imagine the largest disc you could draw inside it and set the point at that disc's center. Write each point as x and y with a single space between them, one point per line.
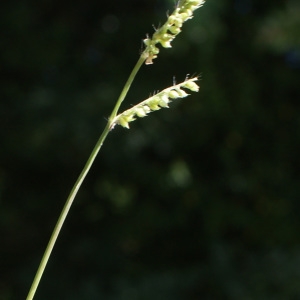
156 102
166 34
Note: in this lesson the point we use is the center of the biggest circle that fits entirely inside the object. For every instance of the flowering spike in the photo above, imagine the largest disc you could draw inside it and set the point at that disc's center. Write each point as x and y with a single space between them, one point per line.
156 102
166 34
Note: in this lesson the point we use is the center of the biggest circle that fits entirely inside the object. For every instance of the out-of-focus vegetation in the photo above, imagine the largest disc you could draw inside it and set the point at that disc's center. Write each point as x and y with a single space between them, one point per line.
200 201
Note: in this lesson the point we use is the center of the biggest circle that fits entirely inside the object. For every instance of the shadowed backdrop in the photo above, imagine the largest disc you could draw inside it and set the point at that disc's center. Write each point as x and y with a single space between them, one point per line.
199 201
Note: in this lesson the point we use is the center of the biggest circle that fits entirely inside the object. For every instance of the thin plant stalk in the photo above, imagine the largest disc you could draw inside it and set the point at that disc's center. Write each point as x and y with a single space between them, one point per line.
79 182
164 36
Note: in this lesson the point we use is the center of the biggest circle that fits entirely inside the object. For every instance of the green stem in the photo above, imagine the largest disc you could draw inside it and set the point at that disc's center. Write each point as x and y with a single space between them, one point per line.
127 86
79 182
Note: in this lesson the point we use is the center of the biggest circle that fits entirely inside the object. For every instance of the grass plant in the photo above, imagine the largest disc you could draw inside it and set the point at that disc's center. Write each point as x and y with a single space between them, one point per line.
162 36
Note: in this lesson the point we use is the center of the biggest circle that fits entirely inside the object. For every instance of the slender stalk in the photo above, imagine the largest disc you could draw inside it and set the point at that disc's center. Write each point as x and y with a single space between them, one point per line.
127 86
79 182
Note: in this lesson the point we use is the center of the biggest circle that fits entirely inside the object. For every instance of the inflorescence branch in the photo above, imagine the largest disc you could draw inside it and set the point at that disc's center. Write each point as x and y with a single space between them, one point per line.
167 33
156 102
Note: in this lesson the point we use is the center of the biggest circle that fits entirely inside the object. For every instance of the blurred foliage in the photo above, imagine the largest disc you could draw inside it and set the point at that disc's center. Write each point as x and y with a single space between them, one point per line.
200 201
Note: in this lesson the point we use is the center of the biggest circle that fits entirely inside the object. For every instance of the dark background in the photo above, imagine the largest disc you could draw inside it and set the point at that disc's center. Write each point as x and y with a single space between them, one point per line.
199 201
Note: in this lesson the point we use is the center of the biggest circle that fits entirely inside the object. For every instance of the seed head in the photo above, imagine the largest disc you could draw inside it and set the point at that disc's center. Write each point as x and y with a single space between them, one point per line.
156 102
166 33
